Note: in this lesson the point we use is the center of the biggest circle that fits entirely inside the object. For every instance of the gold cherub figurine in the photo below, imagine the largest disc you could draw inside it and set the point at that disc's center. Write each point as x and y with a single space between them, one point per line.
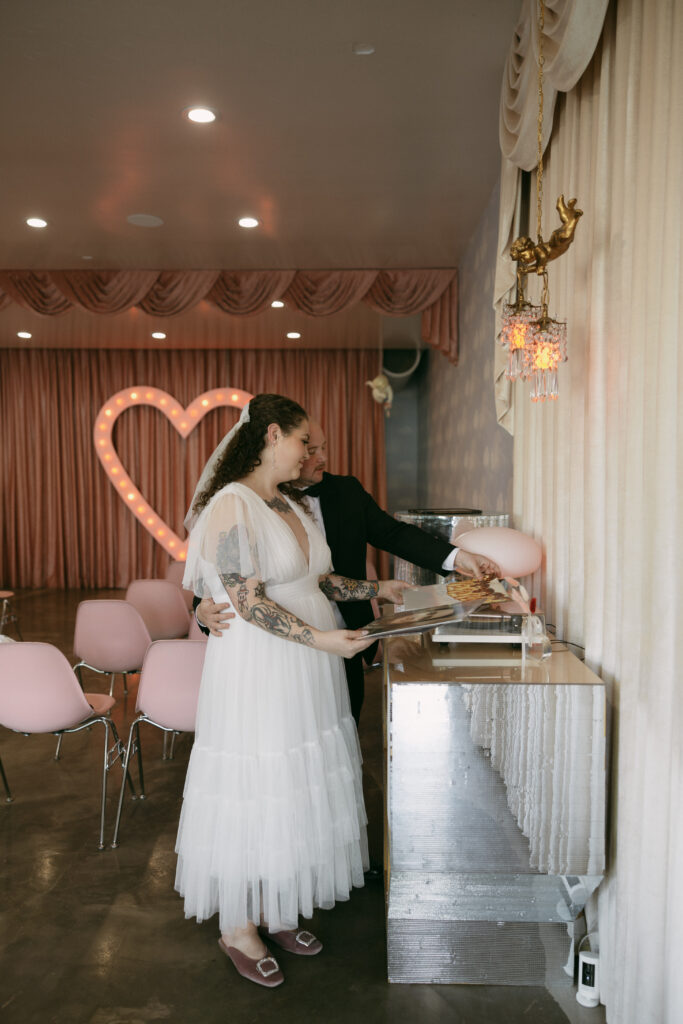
530 255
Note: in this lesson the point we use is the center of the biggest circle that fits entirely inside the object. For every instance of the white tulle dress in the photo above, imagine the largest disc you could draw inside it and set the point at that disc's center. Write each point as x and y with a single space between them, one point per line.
273 812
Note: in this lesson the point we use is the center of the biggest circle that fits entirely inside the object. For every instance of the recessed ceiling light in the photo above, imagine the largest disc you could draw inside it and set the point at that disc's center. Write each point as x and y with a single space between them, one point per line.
293 334
86 257
144 220
24 334
36 222
159 335
201 115
248 222
363 49
277 304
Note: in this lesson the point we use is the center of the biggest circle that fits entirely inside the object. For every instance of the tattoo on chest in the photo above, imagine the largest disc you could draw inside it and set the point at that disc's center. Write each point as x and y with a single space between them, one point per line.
278 505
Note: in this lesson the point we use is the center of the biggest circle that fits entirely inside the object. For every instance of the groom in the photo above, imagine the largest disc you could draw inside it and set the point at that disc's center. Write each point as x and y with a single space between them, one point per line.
350 519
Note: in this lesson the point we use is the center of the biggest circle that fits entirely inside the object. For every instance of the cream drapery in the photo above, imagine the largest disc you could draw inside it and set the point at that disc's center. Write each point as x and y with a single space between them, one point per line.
571 32
599 474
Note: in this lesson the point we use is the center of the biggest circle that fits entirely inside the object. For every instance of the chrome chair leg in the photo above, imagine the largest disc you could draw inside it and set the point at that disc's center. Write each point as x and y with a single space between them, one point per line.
9 798
59 745
111 684
125 682
140 773
134 732
173 736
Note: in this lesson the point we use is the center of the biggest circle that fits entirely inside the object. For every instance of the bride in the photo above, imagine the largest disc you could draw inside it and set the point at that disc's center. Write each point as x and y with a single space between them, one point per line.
273 820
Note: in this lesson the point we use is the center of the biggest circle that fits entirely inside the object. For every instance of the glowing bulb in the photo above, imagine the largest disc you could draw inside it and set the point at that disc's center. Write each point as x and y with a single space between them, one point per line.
201 115
248 222
114 471
133 395
130 496
205 402
36 222
234 398
277 304
149 520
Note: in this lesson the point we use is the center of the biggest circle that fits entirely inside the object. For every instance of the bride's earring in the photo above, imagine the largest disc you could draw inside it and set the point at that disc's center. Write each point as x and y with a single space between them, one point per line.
273 452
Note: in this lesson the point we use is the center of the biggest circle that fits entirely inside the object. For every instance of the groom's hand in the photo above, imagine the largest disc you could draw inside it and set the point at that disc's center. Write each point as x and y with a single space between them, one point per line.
214 617
475 565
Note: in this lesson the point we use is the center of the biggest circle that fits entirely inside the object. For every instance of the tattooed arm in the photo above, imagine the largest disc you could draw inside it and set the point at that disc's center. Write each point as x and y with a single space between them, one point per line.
248 596
237 563
341 588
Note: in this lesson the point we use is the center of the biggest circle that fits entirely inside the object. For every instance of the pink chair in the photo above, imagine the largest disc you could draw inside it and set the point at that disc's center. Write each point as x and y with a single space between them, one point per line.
110 637
174 574
162 608
167 699
39 693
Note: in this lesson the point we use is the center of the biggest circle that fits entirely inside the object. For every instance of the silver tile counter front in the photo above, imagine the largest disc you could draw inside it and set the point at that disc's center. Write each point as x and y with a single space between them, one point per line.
495 811
440 523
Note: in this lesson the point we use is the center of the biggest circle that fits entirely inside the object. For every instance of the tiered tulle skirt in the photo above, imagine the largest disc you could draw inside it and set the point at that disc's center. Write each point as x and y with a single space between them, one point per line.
273 820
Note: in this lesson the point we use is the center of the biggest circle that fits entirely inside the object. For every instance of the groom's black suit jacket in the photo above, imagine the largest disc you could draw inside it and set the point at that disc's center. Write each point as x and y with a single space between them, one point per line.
353 519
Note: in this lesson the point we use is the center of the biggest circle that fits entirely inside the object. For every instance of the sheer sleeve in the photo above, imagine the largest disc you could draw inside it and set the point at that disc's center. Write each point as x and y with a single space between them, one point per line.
222 543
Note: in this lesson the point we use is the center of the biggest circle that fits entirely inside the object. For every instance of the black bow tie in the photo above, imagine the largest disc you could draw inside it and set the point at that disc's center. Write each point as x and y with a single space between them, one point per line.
314 491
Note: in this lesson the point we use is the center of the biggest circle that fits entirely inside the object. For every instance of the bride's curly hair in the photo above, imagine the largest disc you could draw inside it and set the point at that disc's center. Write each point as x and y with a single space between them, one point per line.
244 452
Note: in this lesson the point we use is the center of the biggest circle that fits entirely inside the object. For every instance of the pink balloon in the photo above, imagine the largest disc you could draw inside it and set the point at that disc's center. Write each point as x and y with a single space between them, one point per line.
515 553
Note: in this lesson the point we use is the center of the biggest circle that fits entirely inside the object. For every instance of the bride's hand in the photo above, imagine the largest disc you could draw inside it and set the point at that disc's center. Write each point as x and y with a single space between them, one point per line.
344 642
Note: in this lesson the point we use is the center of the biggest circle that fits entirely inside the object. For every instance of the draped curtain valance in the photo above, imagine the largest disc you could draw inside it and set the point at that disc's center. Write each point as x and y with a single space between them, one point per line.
245 293
571 33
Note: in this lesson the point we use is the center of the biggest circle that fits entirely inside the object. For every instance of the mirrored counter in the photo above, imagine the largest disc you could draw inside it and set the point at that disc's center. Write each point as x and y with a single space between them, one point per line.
495 809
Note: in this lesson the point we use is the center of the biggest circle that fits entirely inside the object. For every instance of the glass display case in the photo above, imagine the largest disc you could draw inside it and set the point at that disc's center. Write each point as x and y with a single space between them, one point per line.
495 810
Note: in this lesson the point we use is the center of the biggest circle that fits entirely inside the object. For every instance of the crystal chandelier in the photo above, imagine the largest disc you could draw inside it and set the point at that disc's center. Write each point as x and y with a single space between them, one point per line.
535 341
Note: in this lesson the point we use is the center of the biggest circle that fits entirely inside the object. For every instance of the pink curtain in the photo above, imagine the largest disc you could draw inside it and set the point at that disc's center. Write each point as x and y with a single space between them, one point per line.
61 522
245 293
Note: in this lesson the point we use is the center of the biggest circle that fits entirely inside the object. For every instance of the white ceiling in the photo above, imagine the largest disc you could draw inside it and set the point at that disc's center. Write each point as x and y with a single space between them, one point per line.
348 162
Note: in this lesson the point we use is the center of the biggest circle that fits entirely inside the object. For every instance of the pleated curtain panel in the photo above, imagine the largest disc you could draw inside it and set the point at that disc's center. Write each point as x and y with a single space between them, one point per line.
433 293
598 475
62 524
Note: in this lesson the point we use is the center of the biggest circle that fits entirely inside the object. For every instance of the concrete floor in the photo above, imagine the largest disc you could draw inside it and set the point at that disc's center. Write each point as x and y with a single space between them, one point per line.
100 937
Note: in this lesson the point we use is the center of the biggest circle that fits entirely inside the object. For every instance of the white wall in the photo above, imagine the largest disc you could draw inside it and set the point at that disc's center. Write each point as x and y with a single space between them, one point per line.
465 456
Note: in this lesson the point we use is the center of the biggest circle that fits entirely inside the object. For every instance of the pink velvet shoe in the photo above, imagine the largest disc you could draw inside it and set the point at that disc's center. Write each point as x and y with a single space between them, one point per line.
265 971
300 942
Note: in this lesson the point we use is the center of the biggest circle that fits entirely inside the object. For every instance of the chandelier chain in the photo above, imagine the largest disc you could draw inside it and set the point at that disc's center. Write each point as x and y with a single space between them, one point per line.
539 172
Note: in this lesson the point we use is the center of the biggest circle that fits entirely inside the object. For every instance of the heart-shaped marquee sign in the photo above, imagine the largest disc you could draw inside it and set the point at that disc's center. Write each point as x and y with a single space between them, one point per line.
184 421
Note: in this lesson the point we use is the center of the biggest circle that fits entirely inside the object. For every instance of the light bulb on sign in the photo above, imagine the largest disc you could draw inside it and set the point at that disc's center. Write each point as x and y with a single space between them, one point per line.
166 404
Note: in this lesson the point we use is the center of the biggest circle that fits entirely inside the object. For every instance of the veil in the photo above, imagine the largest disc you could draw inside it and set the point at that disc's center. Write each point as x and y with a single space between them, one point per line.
210 467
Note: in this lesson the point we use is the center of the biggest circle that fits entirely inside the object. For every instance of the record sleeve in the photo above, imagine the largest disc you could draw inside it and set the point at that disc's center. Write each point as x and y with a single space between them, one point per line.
420 620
